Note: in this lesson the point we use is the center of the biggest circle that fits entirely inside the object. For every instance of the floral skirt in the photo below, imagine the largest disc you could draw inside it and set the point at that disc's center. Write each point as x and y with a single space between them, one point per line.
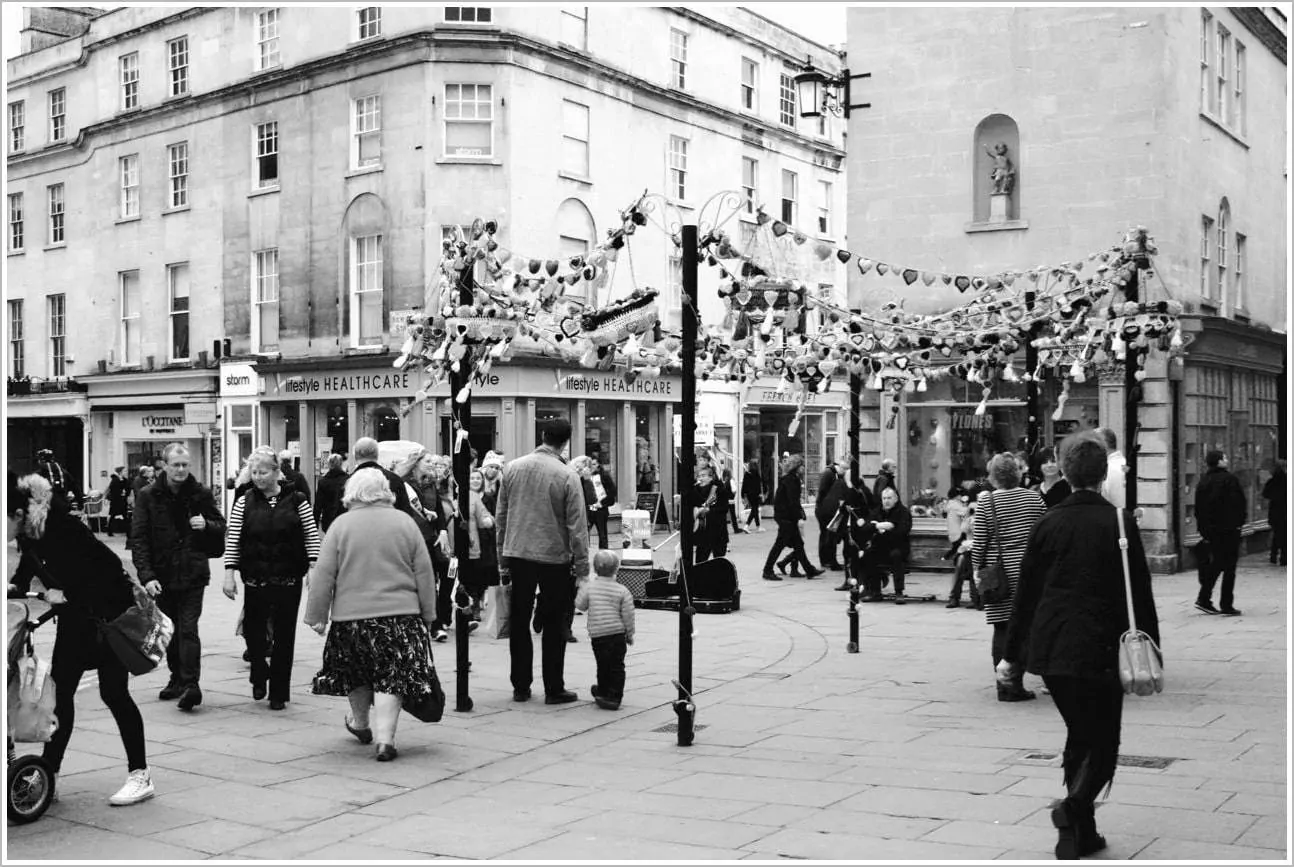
386 654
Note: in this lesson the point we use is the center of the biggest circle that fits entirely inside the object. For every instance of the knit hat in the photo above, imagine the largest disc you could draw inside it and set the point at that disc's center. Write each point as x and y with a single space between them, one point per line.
492 459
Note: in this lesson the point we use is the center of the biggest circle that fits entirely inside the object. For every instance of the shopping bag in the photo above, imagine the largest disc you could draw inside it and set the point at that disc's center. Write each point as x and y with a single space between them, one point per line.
498 602
31 702
140 634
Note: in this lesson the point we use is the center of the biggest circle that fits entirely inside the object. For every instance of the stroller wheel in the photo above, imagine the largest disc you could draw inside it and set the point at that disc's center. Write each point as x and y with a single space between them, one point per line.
31 789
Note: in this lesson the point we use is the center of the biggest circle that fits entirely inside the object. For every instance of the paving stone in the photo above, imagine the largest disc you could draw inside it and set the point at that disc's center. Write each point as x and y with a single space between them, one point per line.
1125 792
825 846
994 834
570 846
976 784
365 852
838 819
805 793
668 805
213 836
1268 832
1255 805
255 749
344 790
452 838
227 767
423 799
311 837
90 844
141 820
252 805
934 804
608 775
730 834
1169 849
1129 820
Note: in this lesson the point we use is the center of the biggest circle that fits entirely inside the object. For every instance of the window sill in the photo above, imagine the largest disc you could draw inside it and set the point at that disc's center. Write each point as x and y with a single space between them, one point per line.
364 170
48 247
176 97
579 179
131 219
468 161
125 111
681 204
1210 306
1004 226
180 210
22 252
1241 314
263 191
1232 134
366 40
365 350
271 68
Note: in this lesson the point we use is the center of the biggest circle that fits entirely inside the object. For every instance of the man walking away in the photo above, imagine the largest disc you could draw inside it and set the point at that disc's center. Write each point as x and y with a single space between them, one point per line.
1219 514
290 474
831 490
175 531
543 540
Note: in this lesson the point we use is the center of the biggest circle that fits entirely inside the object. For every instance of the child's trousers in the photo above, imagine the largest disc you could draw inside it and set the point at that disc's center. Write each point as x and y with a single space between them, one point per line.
609 651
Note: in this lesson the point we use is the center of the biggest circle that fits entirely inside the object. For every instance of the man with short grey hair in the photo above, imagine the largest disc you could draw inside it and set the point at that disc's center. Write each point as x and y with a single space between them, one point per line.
176 529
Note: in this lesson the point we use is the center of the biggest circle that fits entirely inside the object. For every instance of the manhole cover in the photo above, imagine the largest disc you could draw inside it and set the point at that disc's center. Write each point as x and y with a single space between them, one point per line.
1157 763
673 727
1039 757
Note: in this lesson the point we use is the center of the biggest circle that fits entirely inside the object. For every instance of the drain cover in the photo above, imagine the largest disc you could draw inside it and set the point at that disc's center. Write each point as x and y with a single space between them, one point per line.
1038 757
673 727
1157 763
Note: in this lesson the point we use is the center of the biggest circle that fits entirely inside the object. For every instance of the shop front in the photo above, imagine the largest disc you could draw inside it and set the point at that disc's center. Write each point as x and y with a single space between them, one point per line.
55 419
626 426
134 415
820 437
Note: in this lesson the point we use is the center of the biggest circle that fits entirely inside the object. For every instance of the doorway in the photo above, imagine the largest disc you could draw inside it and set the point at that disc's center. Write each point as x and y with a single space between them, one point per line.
482 435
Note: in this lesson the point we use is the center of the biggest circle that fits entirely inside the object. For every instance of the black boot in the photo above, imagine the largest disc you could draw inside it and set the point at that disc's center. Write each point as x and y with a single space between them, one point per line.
1064 815
781 565
1084 787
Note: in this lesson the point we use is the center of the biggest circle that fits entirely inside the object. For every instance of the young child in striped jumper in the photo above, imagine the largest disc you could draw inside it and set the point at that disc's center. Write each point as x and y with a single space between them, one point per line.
610 608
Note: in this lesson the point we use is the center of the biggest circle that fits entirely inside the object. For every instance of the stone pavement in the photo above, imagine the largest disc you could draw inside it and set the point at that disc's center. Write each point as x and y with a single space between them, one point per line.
898 752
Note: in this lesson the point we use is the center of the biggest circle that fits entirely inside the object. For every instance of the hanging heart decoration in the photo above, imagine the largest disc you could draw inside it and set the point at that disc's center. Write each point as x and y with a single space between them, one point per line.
928 278
865 265
779 228
963 283
843 256
910 276
882 268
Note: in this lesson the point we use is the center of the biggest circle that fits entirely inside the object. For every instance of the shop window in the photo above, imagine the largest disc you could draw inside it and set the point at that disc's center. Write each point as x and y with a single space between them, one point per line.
386 424
647 456
292 423
995 130
601 432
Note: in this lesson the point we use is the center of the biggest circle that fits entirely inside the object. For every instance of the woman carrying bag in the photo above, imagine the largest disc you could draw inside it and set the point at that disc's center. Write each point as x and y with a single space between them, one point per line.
85 581
374 580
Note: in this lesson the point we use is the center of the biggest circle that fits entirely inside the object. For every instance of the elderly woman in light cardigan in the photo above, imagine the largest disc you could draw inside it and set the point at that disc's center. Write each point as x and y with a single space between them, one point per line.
374 578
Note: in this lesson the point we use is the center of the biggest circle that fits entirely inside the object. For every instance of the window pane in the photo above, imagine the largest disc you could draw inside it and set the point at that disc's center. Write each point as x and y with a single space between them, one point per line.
467 139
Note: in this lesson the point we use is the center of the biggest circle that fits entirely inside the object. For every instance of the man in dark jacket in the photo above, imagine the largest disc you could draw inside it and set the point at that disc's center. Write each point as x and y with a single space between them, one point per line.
365 452
788 512
890 546
831 490
604 497
328 498
293 475
176 529
1275 494
1219 514
118 497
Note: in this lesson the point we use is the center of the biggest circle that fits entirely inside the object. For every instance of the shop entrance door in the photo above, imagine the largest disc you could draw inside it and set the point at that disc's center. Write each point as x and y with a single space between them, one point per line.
482 434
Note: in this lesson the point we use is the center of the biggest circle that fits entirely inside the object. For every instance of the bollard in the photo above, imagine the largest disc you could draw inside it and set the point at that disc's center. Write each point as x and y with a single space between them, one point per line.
462 631
852 646
685 705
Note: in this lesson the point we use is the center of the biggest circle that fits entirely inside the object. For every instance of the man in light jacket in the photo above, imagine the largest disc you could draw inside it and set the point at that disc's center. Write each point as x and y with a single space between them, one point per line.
543 543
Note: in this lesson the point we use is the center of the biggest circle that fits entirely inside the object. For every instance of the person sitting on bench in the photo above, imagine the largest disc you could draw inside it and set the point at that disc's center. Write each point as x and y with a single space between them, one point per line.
890 546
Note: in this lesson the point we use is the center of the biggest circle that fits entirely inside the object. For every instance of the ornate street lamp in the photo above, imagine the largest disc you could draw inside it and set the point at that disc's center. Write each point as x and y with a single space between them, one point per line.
818 92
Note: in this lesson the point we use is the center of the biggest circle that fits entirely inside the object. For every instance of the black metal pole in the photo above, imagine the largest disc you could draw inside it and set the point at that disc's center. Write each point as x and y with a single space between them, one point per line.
685 707
1032 433
461 418
1132 400
855 479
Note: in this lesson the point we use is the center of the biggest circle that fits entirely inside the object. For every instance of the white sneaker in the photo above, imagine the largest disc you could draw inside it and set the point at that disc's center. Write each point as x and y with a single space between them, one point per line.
139 787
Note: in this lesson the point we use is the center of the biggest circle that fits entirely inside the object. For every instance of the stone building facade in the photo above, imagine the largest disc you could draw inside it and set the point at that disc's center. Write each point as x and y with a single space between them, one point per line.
1170 118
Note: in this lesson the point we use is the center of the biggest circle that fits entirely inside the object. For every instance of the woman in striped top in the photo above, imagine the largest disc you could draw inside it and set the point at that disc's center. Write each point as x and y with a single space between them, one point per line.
273 541
1005 518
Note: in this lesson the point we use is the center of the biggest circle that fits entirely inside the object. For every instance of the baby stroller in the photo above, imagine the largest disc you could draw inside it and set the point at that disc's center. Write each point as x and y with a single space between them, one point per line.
31 780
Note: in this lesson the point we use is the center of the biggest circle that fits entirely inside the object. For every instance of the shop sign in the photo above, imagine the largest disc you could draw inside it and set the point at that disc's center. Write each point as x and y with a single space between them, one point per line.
393 384
199 413
239 380
971 421
772 395
587 385
130 425
614 385
400 322
704 431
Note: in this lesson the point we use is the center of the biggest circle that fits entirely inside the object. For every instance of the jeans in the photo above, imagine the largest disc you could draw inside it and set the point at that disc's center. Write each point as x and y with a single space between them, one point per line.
1223 553
556 609
827 544
598 521
275 607
753 503
609 651
184 655
71 660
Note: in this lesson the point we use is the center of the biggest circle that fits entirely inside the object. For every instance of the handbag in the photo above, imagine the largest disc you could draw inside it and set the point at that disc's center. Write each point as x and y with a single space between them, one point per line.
430 706
31 701
1141 662
139 635
498 605
838 522
994 588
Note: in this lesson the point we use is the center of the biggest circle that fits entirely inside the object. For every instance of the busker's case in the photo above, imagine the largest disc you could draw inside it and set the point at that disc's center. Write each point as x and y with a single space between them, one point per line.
713 584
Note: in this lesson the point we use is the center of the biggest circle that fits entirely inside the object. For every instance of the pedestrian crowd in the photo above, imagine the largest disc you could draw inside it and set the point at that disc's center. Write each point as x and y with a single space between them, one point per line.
376 554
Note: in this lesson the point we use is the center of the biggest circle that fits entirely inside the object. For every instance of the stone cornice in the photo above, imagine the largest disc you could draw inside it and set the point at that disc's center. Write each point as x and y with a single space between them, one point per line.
433 46
733 33
1263 27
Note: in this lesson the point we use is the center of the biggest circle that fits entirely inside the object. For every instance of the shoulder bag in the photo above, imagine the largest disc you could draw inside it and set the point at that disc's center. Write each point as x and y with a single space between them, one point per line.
1141 663
994 588
430 706
139 635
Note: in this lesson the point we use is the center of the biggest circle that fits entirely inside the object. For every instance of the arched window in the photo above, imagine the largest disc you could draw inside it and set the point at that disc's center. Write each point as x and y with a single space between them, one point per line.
576 233
1222 227
364 271
987 159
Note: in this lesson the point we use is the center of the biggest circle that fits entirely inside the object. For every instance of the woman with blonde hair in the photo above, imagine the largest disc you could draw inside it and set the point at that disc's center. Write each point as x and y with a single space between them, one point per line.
1004 518
375 582
272 542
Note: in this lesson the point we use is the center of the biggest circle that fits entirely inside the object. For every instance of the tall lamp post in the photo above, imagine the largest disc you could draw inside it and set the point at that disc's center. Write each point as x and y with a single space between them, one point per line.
685 707
461 451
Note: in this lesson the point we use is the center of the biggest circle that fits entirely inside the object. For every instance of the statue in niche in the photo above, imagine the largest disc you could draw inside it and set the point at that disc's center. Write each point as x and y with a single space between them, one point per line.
1003 173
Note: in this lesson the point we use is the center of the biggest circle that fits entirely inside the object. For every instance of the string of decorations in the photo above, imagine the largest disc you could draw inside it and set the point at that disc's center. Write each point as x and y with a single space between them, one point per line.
765 330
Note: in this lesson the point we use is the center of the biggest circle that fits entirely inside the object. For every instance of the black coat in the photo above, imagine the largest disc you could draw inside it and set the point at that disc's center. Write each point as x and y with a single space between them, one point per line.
163 546
787 504
831 491
118 494
714 532
898 539
1219 503
752 486
396 483
298 481
1276 495
1056 494
1069 607
883 480
328 498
